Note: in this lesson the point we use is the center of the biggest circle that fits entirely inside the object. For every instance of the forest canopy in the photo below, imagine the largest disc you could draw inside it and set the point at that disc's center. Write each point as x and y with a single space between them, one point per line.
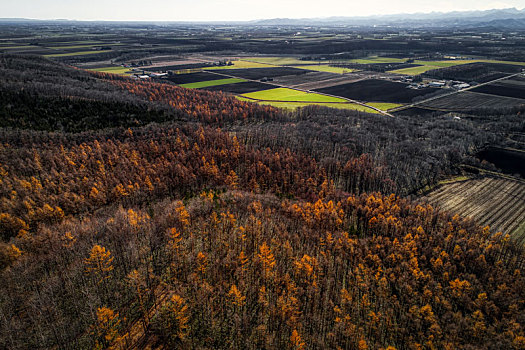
139 214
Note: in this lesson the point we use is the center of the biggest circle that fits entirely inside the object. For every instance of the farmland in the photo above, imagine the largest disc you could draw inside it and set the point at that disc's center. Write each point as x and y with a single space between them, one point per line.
294 105
194 77
78 53
242 87
466 100
413 70
326 68
493 201
284 94
239 64
203 84
377 91
260 73
113 70
280 61
507 88
309 77
478 71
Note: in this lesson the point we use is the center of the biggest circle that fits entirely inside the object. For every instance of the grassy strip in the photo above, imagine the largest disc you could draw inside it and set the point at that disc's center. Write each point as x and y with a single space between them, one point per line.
203 84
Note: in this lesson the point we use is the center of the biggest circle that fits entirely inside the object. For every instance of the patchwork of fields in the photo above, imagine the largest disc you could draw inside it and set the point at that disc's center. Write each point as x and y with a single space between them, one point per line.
497 202
367 80
377 91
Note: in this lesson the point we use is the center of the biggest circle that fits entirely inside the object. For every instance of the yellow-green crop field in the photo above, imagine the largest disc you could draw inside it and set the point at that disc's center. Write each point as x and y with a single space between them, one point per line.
202 84
294 105
291 95
114 70
383 105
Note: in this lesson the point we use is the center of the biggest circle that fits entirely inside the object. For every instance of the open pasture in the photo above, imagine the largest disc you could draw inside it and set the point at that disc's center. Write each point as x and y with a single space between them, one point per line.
377 91
259 73
466 100
241 88
497 202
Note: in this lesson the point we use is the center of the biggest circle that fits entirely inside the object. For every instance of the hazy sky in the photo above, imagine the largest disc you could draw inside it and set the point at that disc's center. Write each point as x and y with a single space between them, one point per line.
182 10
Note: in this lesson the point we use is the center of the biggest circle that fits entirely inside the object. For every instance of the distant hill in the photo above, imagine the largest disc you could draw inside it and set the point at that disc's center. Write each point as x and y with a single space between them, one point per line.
511 17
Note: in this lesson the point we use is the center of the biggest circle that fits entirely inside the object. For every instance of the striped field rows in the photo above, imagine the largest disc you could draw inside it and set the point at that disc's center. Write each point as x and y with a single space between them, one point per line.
496 202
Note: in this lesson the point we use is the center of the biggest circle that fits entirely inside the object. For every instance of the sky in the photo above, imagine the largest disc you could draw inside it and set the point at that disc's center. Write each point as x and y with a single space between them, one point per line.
231 10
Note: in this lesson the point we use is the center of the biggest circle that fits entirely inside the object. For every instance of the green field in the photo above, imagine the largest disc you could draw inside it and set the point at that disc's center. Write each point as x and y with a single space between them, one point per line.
202 84
326 68
291 99
384 106
294 105
114 70
241 64
77 53
291 95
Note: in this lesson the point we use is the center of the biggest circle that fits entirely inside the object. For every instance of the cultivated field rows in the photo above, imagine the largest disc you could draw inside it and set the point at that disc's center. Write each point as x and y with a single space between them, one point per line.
471 100
496 202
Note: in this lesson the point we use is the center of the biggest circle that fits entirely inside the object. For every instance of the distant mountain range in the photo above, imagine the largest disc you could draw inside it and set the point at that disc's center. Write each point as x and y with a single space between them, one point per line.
510 18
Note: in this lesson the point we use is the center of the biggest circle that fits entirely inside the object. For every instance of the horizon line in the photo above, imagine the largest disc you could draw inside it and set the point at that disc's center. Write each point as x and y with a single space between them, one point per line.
253 20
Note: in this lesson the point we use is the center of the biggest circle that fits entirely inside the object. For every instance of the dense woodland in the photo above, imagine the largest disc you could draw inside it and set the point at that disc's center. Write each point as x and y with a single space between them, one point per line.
143 214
